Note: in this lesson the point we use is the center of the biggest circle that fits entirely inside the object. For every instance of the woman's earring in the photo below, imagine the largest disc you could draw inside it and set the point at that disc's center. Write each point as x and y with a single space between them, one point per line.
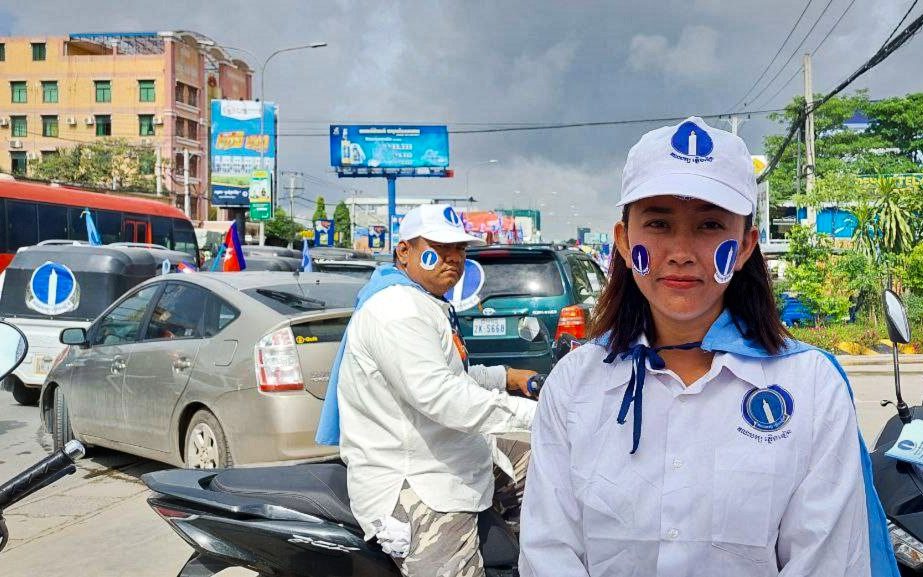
640 259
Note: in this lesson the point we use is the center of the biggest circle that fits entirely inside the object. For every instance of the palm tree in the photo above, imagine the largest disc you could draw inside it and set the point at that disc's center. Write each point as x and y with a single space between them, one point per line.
893 217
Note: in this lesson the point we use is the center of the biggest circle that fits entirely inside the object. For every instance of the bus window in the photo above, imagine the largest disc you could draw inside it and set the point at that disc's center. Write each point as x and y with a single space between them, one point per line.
109 225
52 221
135 228
22 224
77 224
184 238
162 231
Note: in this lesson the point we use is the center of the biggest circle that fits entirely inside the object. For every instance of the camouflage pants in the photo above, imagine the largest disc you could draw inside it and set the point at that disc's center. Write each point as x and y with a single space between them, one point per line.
446 544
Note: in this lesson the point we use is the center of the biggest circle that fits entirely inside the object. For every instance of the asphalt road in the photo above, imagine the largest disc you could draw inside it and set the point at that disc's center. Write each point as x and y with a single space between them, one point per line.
97 522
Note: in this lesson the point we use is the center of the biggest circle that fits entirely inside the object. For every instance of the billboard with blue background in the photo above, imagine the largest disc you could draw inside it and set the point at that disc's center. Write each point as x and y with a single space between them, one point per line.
388 146
236 144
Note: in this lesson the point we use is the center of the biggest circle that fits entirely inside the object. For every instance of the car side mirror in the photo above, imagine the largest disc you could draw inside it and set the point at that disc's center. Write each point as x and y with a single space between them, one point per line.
76 336
896 315
13 348
529 328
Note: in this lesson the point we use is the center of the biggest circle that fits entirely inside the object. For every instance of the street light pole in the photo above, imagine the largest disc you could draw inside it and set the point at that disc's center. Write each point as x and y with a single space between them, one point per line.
472 167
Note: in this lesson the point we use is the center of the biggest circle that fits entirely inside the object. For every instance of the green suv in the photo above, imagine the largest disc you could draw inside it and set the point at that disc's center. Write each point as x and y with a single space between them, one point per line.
503 284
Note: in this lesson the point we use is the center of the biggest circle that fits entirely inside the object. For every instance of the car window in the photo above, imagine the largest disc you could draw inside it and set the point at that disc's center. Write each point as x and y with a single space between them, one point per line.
295 299
325 331
360 272
520 275
178 313
588 280
218 315
123 323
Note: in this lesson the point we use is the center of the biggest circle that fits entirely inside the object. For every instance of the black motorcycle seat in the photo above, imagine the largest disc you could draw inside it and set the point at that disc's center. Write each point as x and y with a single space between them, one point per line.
319 489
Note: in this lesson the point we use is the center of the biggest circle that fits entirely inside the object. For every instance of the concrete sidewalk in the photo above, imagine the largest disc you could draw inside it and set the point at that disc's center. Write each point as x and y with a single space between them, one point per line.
880 364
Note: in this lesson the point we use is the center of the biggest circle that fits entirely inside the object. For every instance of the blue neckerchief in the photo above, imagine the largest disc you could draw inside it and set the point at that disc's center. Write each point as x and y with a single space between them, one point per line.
328 427
726 335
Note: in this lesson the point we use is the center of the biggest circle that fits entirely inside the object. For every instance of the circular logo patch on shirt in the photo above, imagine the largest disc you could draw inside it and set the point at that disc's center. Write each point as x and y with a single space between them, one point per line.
768 409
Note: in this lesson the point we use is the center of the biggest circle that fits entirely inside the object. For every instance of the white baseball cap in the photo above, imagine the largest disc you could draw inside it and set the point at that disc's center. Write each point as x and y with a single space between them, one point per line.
436 222
693 160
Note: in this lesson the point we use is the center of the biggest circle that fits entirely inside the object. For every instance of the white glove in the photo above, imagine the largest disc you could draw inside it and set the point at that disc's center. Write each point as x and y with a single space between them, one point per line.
393 536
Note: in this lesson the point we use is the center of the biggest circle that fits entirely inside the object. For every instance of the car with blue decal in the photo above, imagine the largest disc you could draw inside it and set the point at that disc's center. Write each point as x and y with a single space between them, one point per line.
504 284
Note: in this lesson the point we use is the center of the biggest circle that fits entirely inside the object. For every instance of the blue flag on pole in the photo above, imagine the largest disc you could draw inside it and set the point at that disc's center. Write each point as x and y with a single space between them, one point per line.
92 233
306 265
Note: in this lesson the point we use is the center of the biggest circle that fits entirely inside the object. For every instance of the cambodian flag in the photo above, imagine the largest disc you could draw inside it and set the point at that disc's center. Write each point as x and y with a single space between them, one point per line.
306 264
186 267
233 255
92 233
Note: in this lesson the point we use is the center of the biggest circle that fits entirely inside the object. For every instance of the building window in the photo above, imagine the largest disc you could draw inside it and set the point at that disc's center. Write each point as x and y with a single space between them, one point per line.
38 51
49 125
20 127
146 91
20 94
103 90
180 128
146 124
192 96
2 51
192 130
103 125
50 91
18 163
179 94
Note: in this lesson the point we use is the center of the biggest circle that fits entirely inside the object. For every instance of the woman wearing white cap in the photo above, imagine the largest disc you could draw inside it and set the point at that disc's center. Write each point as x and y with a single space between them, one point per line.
693 436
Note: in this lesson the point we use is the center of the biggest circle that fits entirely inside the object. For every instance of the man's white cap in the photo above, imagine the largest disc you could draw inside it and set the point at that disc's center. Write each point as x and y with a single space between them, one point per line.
694 160
436 222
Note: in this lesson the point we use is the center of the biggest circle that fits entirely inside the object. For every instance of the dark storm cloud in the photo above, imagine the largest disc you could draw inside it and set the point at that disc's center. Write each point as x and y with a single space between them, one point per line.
510 62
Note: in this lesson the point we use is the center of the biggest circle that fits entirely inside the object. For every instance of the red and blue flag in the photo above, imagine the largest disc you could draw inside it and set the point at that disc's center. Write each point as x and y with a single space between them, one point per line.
233 254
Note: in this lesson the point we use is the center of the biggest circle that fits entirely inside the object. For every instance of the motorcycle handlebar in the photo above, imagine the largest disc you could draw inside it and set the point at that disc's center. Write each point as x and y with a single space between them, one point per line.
46 471
535 383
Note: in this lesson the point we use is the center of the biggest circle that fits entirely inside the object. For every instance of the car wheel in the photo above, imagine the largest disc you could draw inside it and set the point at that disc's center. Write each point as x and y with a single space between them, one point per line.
61 431
206 446
24 395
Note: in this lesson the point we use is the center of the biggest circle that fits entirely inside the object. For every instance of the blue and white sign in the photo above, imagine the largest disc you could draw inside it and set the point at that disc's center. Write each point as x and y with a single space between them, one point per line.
237 144
389 146
909 445
768 409
725 259
429 259
640 259
53 290
466 293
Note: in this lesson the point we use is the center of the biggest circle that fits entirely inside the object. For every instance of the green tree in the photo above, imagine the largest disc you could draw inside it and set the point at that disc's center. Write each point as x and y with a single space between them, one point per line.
282 228
320 213
110 163
342 225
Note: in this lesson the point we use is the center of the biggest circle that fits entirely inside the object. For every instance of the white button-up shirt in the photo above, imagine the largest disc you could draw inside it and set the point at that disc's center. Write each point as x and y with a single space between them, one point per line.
707 494
409 410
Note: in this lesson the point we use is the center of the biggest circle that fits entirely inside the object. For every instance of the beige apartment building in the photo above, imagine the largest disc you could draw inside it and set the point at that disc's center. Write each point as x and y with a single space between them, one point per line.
149 87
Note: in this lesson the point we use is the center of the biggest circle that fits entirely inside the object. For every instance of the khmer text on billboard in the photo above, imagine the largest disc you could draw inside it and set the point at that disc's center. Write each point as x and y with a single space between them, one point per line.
236 145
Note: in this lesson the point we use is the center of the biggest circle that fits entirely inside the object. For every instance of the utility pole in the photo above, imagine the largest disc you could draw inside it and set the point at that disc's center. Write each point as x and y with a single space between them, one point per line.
734 121
291 201
809 135
186 182
158 167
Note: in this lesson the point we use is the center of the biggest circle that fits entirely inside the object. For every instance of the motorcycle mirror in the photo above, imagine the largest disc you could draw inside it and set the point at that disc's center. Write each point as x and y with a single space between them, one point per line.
529 328
562 345
13 348
896 314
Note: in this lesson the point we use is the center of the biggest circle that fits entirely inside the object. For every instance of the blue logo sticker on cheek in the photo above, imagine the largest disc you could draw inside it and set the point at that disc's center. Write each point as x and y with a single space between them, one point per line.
640 259
428 259
725 259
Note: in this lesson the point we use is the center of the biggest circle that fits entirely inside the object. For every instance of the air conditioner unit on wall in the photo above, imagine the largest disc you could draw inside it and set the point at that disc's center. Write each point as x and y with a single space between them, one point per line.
158 120
89 120
72 121
15 144
32 155
4 122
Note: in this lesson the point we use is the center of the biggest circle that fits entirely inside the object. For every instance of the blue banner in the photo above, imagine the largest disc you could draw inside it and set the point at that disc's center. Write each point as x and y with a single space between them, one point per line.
389 147
323 232
236 145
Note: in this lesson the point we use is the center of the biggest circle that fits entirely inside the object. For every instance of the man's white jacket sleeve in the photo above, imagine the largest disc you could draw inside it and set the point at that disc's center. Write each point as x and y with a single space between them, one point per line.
492 378
408 353
551 537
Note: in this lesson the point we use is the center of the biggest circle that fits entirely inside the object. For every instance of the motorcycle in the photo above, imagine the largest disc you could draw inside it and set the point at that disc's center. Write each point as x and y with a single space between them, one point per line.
13 349
295 521
899 484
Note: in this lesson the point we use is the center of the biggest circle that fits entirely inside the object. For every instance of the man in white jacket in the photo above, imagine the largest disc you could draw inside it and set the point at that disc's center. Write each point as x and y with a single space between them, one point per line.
416 423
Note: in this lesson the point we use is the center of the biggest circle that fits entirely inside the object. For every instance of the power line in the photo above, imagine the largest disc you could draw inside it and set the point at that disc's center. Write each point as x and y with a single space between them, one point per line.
784 86
795 51
906 14
779 51
888 48
835 24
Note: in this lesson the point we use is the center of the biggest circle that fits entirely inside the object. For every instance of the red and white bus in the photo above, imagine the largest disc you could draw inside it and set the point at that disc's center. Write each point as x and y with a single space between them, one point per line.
31 213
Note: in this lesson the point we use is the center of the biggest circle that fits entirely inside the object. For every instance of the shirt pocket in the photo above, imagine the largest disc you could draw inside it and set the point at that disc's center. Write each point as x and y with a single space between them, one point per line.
744 484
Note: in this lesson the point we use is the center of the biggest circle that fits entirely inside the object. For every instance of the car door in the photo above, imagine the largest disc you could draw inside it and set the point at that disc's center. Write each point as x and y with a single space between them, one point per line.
95 397
587 280
161 364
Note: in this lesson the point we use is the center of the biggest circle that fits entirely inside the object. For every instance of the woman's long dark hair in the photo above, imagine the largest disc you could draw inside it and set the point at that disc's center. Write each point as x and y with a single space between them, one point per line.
625 312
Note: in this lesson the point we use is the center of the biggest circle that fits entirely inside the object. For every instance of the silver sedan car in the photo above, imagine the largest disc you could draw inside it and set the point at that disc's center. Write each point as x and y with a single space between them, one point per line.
203 369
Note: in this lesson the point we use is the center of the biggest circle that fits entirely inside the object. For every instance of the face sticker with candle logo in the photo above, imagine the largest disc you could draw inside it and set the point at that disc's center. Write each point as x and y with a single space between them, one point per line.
725 259
428 259
640 259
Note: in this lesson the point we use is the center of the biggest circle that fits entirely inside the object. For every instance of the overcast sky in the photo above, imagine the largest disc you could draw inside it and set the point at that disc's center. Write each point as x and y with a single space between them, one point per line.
471 64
